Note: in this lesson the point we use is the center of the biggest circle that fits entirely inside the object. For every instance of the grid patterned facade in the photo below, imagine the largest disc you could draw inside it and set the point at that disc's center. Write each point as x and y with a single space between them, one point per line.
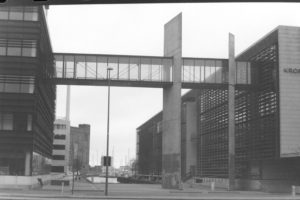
149 142
212 134
149 146
256 119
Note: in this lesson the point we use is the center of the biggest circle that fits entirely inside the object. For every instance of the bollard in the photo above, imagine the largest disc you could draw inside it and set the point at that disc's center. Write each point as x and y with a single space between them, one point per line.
212 186
62 186
293 190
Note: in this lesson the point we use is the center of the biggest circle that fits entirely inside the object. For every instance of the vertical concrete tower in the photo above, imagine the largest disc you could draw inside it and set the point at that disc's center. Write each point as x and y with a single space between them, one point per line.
171 137
231 113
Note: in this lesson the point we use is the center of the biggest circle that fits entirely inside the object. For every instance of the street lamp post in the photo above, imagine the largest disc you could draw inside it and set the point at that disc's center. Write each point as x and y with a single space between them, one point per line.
107 137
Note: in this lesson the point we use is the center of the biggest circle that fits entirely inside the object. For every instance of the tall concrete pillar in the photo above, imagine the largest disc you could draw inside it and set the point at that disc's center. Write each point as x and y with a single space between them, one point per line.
68 129
68 103
231 114
27 163
191 131
171 159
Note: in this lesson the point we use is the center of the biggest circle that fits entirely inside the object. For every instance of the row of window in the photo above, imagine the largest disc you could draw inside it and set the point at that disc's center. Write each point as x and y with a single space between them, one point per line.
7 122
19 13
17 84
60 126
17 47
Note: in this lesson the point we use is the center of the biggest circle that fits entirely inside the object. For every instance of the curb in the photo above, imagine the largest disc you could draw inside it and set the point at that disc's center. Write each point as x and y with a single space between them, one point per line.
30 197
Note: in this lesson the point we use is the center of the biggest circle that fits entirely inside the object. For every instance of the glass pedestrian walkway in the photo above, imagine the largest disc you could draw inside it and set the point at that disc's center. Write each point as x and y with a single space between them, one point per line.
144 71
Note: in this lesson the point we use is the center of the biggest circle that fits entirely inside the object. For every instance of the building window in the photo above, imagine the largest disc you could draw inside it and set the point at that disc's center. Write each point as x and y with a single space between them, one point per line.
29 48
6 121
30 14
26 88
29 122
57 169
16 13
19 13
159 127
58 157
4 13
16 47
16 84
59 137
3 47
59 147
12 87
1 87
28 52
2 51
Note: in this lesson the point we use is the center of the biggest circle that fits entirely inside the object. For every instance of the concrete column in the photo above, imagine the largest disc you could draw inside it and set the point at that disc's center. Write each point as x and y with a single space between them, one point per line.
171 137
231 113
191 131
68 102
27 163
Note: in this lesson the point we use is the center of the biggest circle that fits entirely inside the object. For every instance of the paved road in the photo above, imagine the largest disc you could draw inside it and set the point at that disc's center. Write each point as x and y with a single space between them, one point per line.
85 190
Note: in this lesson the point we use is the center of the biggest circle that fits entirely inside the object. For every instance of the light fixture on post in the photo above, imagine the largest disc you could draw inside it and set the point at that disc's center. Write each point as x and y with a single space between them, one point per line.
107 158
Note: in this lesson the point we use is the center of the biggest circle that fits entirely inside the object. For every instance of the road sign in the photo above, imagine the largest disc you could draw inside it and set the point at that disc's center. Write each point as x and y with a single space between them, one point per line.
106 160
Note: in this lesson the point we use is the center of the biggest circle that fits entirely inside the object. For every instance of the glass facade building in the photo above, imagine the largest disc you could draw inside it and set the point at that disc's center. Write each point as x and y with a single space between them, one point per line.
27 96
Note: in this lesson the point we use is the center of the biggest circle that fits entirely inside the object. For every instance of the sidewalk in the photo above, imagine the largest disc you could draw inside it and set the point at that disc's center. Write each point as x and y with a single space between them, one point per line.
85 190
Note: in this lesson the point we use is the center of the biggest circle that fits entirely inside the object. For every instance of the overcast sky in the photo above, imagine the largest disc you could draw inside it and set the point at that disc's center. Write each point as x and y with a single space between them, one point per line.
138 30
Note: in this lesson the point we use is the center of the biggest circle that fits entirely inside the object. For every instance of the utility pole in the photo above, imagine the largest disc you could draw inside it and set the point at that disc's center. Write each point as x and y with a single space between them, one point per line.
73 169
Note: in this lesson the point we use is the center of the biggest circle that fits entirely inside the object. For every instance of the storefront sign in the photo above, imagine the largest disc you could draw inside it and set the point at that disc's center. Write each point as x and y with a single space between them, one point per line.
291 70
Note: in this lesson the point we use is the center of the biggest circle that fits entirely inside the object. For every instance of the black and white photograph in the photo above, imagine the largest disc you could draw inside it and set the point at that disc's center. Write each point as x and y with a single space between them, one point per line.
149 99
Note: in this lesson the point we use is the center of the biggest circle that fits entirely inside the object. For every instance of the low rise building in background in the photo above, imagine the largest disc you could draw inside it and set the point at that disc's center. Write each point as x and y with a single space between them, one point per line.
80 148
61 146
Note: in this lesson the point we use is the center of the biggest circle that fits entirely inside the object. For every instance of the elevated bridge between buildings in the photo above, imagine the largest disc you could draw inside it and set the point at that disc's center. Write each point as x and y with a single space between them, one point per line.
145 71
171 72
